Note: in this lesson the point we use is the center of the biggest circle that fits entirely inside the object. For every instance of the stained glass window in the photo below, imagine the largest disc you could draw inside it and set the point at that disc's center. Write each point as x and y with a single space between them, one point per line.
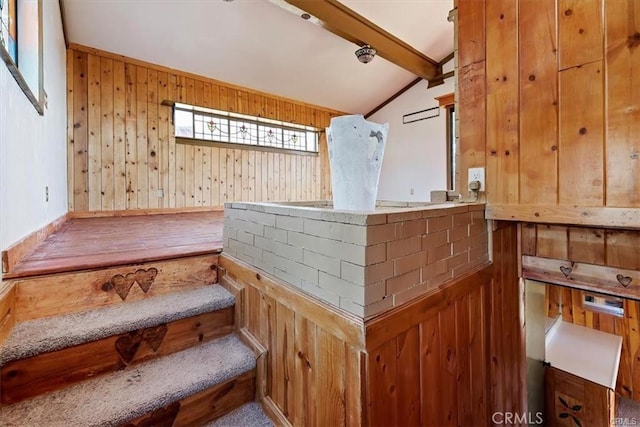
223 126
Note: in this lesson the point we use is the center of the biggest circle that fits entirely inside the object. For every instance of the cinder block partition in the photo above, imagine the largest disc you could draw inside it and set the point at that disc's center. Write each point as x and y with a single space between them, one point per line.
364 263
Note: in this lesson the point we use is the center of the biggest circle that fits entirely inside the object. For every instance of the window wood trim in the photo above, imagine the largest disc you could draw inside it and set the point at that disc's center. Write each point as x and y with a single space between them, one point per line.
37 101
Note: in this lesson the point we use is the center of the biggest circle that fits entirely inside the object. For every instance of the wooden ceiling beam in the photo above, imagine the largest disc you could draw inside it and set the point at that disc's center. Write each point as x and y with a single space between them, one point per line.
344 22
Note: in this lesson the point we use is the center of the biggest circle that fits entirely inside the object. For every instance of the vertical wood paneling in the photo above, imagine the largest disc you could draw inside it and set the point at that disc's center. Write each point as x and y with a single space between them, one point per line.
153 139
579 31
581 160
502 102
538 102
119 137
471 110
623 103
80 133
408 355
142 168
123 153
164 130
314 371
383 367
71 153
471 32
107 137
94 140
506 328
576 99
130 137
430 360
587 245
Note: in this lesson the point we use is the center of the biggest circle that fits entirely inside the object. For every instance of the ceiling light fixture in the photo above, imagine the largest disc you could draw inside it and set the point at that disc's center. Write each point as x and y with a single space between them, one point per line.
365 54
305 16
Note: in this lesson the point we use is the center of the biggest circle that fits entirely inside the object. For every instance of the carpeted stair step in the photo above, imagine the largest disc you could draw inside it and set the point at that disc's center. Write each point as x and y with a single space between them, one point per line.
190 387
46 354
249 414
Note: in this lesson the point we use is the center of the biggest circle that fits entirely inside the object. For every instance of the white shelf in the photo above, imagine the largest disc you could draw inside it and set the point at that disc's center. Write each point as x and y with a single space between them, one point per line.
584 352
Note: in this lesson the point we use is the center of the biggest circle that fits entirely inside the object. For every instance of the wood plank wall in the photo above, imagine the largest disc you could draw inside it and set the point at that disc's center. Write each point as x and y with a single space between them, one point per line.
314 364
612 248
549 101
122 150
455 357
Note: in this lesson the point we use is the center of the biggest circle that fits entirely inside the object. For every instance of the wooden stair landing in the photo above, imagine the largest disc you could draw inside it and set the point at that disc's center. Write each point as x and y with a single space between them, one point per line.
88 243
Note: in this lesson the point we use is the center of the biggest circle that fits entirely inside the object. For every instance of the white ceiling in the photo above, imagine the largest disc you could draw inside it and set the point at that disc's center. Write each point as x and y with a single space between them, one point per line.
257 44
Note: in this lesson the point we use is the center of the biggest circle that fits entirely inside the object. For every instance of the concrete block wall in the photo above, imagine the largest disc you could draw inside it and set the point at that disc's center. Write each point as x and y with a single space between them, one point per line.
362 263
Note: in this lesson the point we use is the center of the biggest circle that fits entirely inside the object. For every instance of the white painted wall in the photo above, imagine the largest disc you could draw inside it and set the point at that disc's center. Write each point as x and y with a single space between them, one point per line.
416 153
33 147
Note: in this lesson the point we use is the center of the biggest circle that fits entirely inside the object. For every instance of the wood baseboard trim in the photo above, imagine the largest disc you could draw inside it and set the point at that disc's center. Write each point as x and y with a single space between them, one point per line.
274 413
143 212
16 252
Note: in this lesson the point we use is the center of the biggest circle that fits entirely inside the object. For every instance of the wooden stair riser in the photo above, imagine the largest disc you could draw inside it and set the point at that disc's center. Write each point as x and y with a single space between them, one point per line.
205 406
25 378
86 290
7 309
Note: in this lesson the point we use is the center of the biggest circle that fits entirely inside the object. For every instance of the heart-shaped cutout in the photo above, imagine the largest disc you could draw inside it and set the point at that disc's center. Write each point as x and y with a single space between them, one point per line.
145 278
127 346
122 285
566 270
163 417
624 280
154 336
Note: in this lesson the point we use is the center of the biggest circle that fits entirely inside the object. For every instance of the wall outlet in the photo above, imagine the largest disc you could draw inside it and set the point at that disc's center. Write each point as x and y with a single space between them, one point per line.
411 191
477 174
46 194
160 192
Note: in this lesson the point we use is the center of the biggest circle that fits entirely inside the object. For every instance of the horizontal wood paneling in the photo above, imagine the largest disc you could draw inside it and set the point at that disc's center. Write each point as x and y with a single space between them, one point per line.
123 154
599 246
562 105
315 354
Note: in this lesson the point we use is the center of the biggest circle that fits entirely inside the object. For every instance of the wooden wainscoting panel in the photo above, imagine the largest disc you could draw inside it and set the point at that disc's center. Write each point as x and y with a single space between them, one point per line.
315 356
434 371
52 295
506 328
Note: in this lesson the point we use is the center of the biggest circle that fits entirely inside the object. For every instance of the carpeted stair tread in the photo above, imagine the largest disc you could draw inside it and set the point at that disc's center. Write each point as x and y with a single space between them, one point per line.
54 333
248 415
116 398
